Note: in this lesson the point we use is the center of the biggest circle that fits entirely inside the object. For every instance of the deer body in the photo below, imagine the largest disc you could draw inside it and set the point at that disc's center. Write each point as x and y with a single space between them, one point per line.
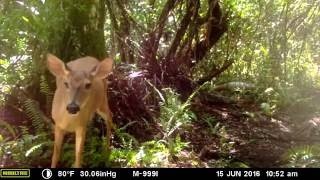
80 93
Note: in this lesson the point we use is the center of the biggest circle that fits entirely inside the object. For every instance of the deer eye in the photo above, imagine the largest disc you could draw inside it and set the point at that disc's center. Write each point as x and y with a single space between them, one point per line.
66 84
87 85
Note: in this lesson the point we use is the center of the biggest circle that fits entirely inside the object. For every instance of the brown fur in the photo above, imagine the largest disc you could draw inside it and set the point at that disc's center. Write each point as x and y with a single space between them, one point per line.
76 75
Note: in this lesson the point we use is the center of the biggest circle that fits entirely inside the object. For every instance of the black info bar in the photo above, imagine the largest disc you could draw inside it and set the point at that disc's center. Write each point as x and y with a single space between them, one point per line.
160 173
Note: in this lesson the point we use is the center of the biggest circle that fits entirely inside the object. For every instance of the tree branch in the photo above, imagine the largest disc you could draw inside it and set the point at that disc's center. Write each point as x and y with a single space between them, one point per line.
182 29
215 72
216 26
125 13
157 32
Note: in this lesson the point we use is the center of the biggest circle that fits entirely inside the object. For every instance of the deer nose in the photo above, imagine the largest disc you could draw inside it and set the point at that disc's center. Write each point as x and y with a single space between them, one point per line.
73 108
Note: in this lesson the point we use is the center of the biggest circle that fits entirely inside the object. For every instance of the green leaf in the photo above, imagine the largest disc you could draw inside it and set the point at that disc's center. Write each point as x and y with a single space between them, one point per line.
264 51
2 62
25 19
32 149
239 165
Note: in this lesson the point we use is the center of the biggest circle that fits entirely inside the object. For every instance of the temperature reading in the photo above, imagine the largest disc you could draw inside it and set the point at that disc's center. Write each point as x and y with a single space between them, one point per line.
65 173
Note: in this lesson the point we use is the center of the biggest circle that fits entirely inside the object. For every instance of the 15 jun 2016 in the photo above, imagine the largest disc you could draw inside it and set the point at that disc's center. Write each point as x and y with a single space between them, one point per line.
238 173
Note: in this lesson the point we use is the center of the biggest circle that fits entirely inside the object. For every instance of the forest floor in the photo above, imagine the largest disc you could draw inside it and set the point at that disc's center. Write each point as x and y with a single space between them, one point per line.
255 139
242 133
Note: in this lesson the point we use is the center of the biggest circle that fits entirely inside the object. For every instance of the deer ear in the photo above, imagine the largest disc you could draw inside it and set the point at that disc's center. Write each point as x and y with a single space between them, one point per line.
102 69
56 66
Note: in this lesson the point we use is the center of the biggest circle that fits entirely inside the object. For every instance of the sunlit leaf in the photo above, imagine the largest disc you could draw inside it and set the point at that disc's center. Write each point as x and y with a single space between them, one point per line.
32 149
25 19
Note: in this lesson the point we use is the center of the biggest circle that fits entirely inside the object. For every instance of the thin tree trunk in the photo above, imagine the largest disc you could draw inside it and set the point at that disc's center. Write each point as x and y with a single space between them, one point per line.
85 33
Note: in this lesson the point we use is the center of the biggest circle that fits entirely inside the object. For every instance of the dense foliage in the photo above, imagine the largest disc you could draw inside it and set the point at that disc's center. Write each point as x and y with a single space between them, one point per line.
179 65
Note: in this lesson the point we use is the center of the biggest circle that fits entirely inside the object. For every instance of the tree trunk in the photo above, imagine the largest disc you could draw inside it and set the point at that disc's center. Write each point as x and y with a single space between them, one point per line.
84 34
185 51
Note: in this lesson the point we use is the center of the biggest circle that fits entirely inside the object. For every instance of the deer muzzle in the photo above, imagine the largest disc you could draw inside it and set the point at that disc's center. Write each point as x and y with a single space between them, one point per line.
73 108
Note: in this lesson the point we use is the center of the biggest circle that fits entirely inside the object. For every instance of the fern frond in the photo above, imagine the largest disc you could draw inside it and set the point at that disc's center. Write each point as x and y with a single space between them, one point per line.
33 149
34 113
44 86
45 89
10 128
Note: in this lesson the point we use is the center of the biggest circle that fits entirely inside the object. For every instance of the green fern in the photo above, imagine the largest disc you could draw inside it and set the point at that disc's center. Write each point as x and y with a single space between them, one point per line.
173 113
127 140
44 86
24 131
45 89
305 156
33 149
34 113
9 127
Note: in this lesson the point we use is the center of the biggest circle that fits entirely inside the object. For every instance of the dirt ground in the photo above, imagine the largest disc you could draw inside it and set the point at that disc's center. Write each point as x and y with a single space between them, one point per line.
255 139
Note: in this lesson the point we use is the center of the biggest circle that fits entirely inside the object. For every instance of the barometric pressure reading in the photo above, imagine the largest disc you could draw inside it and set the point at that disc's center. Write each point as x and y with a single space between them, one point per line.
111 174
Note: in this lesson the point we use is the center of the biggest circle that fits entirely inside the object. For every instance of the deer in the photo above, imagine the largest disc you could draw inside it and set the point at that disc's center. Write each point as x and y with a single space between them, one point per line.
81 91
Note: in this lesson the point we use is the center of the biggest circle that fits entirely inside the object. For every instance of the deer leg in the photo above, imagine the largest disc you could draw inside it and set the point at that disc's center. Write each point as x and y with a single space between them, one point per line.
105 113
58 139
80 138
